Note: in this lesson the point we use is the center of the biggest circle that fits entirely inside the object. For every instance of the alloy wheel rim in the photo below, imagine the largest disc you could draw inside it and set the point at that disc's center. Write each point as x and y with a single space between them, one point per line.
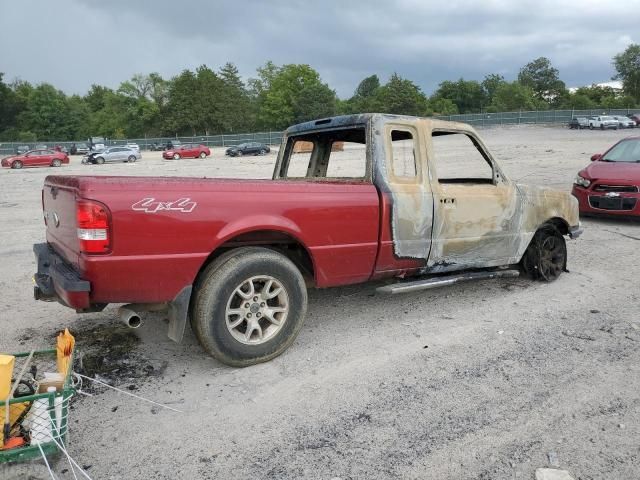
257 310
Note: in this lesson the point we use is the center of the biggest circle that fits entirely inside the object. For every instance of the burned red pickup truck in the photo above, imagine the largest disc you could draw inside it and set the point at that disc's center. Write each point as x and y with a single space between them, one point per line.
401 197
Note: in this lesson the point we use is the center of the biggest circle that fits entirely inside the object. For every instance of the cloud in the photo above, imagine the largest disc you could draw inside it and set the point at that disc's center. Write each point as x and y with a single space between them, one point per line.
74 43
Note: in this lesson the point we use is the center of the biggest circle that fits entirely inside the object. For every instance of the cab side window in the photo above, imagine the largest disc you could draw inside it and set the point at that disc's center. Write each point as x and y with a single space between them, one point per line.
459 158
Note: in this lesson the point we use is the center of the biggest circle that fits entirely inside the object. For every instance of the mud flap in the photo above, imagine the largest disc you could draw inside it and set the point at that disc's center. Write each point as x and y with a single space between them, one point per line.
178 311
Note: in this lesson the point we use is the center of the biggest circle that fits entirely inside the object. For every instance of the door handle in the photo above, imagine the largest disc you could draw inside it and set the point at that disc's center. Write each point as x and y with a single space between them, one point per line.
448 200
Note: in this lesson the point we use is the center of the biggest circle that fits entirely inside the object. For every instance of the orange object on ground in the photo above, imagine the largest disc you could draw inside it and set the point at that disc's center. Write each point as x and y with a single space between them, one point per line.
65 344
13 442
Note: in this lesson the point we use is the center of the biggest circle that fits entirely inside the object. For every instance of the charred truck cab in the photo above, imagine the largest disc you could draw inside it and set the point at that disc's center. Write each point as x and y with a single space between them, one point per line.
353 198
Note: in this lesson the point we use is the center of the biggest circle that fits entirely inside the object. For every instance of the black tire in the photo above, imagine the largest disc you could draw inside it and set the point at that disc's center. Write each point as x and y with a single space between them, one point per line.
215 289
131 159
546 256
99 160
590 127
16 165
203 155
263 152
602 126
238 153
56 162
176 156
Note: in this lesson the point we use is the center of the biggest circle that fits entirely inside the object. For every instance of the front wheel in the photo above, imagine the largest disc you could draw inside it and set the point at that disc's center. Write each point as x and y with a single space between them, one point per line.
17 164
203 155
249 306
176 156
546 257
56 162
131 159
263 152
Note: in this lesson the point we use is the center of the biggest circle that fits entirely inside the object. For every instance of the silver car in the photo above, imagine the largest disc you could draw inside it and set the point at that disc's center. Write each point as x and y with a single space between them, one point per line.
113 154
624 122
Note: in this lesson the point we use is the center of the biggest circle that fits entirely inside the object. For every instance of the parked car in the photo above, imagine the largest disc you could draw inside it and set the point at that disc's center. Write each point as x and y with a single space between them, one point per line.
112 154
579 122
22 149
171 144
80 149
36 158
133 146
251 148
41 147
236 256
610 184
636 118
97 143
157 147
186 150
603 122
624 122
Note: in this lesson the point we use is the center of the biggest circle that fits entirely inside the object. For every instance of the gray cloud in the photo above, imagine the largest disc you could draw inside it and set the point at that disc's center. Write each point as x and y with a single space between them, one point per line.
74 43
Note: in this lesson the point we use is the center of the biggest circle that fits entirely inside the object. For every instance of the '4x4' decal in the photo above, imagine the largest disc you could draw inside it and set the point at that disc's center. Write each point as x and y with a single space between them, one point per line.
151 205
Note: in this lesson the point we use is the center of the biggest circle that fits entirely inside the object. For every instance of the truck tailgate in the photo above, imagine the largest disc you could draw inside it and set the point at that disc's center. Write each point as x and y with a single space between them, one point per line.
59 205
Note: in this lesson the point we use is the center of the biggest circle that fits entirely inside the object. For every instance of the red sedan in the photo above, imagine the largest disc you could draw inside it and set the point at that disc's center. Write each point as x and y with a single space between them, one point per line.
611 184
187 150
36 158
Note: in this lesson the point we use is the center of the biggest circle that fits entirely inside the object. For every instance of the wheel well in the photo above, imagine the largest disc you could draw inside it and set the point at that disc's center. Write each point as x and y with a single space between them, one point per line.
281 242
560 224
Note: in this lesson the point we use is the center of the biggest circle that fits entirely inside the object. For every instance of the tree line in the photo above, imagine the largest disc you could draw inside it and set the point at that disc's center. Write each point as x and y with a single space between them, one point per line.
208 102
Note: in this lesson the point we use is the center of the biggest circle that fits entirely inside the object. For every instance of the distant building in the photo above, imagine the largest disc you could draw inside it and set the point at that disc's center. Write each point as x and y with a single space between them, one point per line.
616 85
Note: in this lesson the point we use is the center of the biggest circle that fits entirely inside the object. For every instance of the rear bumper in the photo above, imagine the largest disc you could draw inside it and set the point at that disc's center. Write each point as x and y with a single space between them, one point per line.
55 280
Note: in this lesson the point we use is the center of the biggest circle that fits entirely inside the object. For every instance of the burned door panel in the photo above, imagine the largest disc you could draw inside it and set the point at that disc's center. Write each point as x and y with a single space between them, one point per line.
400 174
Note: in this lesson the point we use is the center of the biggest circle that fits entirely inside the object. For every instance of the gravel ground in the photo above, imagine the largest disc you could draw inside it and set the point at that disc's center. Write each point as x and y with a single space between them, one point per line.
489 380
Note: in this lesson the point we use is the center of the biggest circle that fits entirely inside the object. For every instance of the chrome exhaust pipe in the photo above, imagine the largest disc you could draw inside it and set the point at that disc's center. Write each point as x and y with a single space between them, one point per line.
129 317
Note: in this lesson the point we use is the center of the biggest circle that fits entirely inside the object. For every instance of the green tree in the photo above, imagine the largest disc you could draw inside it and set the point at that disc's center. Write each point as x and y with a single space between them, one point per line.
10 106
513 96
490 84
443 106
364 98
467 95
237 110
401 96
627 65
181 107
290 92
543 79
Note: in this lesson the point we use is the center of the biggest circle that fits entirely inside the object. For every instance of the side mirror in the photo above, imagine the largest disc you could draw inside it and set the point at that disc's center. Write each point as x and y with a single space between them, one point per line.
596 157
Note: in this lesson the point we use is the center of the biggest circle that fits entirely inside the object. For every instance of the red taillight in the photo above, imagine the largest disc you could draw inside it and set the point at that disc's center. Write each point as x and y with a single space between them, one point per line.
93 227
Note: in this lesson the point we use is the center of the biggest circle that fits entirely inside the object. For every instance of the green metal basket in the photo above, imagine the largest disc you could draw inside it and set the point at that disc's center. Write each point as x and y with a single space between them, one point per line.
21 409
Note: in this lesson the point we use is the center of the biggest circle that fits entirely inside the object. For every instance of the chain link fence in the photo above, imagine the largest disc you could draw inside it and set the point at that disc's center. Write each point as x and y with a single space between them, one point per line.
478 120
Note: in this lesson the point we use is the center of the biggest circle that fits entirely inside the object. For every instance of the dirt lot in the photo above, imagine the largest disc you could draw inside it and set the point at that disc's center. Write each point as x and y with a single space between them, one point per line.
478 381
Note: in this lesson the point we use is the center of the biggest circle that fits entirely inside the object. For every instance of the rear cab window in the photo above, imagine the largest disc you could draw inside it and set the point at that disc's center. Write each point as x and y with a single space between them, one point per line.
338 154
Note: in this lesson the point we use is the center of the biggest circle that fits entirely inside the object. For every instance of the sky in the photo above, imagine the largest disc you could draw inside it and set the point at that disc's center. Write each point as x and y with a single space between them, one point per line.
75 43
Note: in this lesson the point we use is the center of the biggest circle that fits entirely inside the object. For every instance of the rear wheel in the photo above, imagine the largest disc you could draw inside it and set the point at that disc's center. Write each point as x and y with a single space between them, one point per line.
99 160
17 164
602 126
203 154
249 306
176 156
546 256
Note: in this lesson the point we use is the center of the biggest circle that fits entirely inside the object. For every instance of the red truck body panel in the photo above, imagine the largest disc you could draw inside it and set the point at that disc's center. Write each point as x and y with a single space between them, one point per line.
164 229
